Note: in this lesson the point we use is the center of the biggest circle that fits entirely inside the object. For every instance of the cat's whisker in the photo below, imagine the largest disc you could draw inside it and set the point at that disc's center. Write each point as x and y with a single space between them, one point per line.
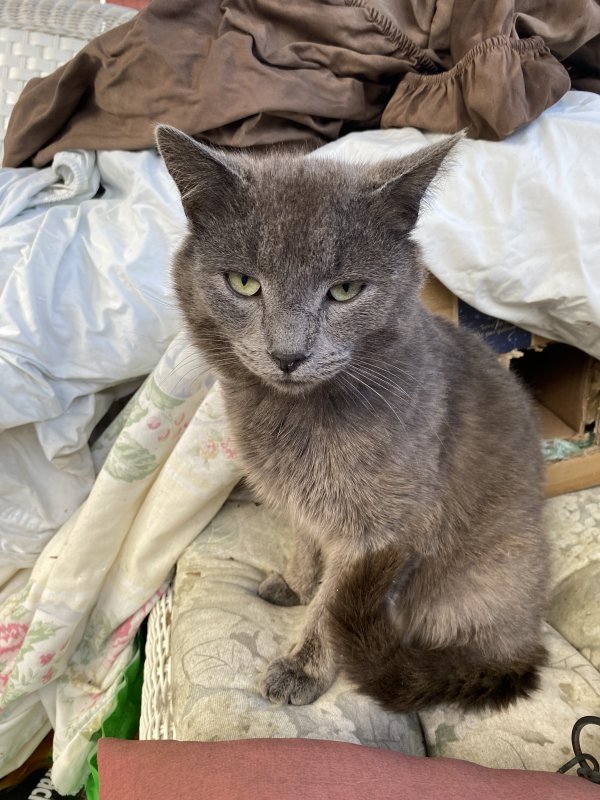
384 363
203 347
382 381
430 425
208 346
379 368
209 368
390 391
168 302
226 355
176 370
193 382
443 446
205 341
189 359
375 382
391 367
390 406
354 390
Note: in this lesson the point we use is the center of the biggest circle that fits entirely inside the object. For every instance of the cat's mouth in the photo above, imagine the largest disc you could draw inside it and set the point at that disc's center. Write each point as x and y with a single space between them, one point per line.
296 381
302 382
292 385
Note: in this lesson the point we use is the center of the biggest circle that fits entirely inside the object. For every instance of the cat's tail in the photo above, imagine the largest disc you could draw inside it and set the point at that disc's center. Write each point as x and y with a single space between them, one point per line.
370 651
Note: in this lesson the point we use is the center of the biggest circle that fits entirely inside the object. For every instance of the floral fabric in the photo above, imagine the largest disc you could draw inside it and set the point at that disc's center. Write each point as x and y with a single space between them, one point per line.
166 465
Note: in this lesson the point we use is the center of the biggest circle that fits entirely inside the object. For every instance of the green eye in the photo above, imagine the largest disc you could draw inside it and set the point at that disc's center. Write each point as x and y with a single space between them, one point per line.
345 291
243 284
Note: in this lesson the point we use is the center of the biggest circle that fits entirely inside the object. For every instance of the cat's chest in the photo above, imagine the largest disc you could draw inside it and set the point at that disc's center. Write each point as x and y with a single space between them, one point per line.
320 470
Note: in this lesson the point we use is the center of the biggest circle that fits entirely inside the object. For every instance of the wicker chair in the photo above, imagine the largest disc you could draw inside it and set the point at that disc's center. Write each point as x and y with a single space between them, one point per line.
37 36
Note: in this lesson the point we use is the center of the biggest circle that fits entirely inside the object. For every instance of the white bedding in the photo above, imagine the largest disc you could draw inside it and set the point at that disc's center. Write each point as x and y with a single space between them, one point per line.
514 226
84 306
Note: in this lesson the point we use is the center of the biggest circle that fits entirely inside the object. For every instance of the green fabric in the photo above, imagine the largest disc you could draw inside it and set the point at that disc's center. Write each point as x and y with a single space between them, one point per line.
557 449
123 722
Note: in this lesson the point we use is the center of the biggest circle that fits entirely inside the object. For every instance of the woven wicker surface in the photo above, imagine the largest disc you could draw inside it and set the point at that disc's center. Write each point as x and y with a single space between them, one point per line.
156 720
37 36
80 19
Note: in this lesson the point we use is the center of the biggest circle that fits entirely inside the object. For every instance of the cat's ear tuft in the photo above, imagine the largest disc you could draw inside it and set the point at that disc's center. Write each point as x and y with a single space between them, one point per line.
207 178
403 183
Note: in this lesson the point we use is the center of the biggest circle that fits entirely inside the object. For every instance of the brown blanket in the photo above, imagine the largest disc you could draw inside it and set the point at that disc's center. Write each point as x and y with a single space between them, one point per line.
252 72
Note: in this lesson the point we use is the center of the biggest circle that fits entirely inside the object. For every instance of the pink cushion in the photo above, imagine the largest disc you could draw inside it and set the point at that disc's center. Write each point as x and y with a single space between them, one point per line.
307 769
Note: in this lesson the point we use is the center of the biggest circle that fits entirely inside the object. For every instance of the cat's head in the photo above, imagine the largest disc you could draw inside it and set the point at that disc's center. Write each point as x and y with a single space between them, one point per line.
294 266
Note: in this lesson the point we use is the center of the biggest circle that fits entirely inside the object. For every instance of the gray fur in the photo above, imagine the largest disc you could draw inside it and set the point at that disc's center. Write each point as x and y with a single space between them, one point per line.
398 430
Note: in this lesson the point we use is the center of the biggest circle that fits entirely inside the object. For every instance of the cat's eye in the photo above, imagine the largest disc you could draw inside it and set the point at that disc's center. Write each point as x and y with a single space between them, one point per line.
243 284
345 291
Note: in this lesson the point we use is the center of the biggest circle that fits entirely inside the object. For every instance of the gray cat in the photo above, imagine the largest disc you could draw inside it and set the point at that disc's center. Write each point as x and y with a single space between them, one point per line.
406 457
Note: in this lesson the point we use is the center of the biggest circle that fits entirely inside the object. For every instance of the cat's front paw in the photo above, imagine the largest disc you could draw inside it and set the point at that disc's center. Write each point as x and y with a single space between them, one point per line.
286 681
275 590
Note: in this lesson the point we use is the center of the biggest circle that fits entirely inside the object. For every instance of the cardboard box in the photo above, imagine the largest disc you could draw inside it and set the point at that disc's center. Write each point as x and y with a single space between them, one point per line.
565 383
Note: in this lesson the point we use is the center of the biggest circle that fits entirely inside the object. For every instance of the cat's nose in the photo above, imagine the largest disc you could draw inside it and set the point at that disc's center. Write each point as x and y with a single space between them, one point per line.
288 362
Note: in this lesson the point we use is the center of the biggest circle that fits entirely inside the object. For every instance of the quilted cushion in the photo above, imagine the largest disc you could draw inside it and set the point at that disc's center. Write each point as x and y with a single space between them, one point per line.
223 635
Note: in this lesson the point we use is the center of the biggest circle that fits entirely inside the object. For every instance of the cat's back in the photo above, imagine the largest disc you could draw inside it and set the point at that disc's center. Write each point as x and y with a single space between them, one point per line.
480 382
493 452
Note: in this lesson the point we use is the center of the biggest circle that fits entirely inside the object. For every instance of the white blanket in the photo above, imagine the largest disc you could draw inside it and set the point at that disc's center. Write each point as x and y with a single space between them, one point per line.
84 306
514 226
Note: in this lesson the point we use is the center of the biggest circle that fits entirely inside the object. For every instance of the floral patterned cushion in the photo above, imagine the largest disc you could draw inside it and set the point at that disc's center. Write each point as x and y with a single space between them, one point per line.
533 734
574 524
223 635
536 734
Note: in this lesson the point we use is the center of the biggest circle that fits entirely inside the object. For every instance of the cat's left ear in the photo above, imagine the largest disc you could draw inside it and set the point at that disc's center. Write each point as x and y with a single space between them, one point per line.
401 184
207 178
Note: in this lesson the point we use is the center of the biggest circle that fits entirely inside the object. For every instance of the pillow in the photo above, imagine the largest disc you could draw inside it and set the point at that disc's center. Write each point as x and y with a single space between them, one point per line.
296 769
223 635
536 733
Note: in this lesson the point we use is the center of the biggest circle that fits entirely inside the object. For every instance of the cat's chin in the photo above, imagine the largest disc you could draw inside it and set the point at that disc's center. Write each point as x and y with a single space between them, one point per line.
292 387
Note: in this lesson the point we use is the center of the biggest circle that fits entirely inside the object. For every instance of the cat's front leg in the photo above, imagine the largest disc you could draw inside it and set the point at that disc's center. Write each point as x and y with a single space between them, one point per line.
302 676
299 582
309 669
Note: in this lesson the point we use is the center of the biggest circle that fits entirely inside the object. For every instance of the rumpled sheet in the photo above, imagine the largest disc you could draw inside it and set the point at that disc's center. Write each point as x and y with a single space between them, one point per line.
256 72
67 635
513 227
85 307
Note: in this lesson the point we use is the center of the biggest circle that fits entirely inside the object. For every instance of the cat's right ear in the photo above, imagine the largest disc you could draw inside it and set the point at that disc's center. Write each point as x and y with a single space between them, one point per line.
206 177
401 184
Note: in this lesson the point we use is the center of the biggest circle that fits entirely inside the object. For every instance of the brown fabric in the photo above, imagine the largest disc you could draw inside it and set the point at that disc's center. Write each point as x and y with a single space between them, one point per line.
255 72
306 769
